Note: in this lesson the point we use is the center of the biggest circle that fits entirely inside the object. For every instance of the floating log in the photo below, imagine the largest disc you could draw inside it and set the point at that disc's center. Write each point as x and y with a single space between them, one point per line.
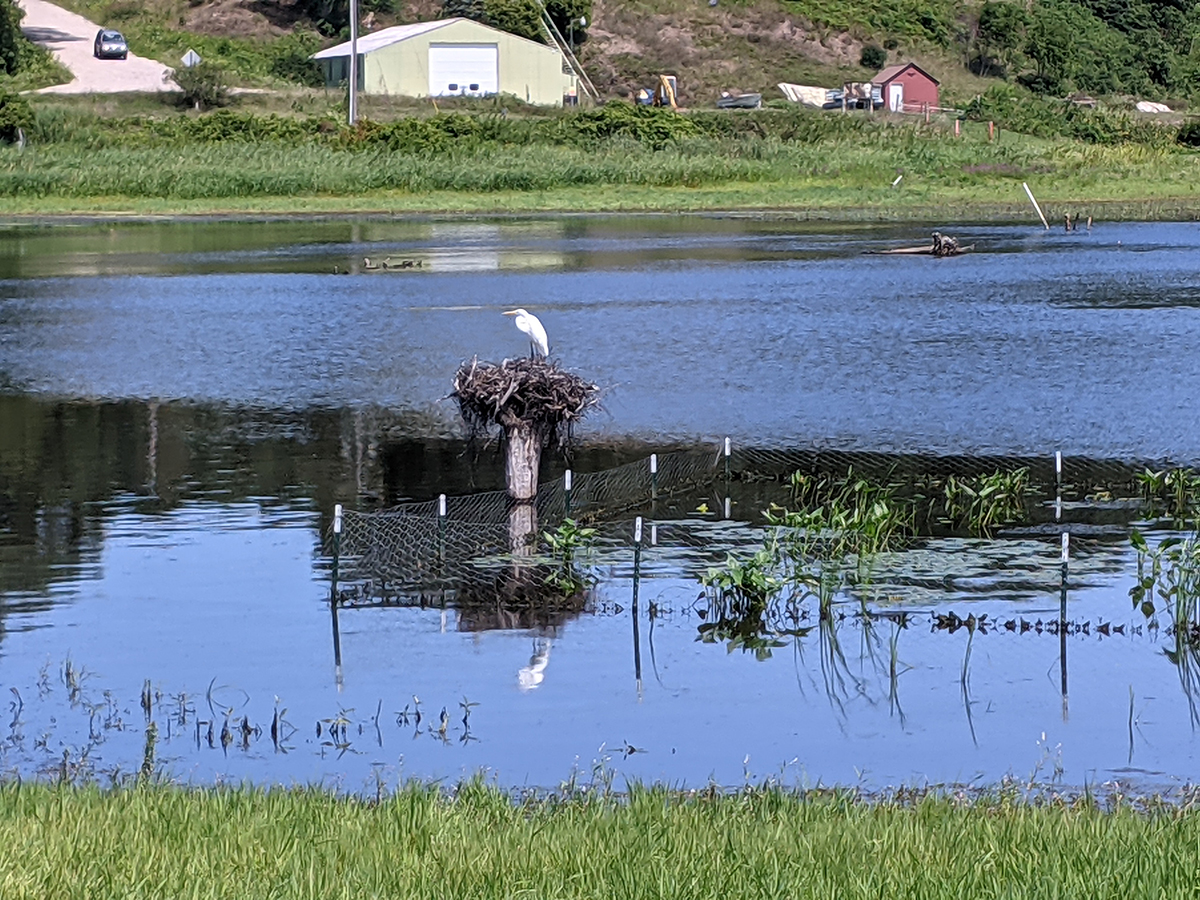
941 247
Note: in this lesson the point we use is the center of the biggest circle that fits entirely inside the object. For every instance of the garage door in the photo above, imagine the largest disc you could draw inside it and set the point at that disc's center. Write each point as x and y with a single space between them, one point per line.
464 69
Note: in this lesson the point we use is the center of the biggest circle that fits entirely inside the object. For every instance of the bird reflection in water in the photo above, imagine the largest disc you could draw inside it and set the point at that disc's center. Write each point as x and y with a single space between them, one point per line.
530 676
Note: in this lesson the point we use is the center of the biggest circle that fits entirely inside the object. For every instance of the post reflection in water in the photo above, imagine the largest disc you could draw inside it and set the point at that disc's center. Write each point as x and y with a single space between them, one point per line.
637 565
1062 620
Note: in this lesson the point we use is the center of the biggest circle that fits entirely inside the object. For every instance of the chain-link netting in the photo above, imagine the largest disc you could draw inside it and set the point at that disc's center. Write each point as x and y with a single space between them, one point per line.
455 542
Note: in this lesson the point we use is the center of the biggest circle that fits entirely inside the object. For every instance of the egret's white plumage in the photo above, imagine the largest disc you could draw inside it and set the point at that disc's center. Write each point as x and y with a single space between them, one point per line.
528 323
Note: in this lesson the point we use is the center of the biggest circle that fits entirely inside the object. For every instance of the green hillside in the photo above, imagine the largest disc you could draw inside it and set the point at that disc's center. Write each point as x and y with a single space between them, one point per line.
1109 48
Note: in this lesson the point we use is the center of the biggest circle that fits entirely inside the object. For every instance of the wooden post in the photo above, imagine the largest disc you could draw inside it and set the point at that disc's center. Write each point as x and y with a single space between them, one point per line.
523 455
957 124
991 131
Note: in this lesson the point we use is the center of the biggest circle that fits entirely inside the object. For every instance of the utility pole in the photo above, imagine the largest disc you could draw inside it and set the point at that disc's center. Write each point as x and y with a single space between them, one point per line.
353 61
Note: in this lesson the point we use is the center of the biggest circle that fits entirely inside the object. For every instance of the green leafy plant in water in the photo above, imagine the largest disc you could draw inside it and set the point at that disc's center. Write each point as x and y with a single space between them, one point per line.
1171 492
1169 572
563 545
980 503
743 608
841 516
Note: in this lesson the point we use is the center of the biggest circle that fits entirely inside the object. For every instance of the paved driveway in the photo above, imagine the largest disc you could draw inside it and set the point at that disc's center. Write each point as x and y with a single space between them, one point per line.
70 38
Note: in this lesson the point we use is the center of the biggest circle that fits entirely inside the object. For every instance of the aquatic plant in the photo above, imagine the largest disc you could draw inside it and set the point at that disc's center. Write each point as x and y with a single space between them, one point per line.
562 545
982 502
743 611
1174 493
1170 572
841 516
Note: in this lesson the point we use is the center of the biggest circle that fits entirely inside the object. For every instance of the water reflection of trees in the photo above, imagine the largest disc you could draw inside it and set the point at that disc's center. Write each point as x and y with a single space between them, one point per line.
68 466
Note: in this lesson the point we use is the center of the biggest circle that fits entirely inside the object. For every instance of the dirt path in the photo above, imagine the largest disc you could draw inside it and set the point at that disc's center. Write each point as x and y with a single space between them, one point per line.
70 37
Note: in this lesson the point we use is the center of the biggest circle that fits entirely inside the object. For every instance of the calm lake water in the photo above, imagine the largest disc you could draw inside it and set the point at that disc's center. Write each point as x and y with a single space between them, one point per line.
181 406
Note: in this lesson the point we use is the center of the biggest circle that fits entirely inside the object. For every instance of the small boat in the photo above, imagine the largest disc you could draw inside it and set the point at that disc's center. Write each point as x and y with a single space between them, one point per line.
740 101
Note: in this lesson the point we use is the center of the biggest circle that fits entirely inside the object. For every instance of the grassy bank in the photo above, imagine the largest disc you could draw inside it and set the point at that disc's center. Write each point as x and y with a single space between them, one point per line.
613 159
166 842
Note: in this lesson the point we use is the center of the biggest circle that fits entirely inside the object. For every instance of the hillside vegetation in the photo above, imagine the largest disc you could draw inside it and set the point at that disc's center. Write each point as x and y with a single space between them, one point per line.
1113 48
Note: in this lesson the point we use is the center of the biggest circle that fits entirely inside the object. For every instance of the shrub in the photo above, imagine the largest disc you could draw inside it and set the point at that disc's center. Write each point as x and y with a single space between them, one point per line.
1043 117
11 38
203 85
873 57
15 115
1189 133
293 60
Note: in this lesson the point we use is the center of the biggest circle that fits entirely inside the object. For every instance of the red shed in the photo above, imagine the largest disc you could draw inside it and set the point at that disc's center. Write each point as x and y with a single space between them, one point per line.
907 88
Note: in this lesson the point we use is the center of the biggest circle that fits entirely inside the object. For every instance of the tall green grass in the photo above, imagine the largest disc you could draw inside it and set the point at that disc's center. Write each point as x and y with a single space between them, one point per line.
165 842
268 168
615 158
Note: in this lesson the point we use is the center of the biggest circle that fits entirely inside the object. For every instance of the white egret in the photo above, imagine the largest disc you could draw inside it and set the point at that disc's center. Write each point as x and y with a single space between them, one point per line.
528 323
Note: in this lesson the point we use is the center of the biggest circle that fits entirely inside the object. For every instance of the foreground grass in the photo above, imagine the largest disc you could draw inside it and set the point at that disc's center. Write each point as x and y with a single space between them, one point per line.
166 842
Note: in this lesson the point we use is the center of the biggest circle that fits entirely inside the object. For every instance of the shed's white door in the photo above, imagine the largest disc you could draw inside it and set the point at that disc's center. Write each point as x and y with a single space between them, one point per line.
463 69
896 97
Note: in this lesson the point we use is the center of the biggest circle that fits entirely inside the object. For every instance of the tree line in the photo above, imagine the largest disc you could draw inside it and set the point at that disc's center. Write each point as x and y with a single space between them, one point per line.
1146 47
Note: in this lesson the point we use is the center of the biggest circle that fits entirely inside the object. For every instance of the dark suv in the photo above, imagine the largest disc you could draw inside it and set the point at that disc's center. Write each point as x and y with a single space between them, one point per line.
110 45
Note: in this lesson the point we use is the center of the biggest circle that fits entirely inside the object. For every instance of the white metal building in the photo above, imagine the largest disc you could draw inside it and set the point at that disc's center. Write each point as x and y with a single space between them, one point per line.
451 57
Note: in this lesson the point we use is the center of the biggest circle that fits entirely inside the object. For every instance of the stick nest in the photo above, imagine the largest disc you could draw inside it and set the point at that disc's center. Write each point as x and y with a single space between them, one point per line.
523 392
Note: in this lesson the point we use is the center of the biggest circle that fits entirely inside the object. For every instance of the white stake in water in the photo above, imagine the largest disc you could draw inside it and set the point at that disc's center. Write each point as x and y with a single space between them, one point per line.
653 463
1029 193
637 530
442 505
1066 546
337 519
654 535
567 480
